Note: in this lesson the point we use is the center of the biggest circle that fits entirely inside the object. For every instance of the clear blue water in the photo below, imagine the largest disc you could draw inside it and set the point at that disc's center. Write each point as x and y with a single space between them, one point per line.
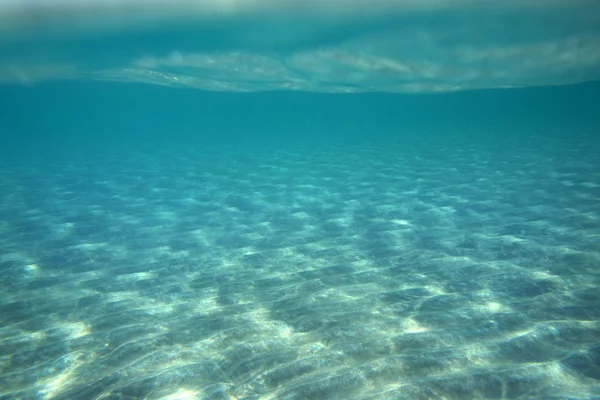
240 232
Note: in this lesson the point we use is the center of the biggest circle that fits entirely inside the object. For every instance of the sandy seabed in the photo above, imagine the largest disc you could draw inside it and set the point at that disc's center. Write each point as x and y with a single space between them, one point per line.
363 271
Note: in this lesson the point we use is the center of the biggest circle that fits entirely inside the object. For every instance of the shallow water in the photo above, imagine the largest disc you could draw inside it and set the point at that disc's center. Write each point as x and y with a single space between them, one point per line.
160 242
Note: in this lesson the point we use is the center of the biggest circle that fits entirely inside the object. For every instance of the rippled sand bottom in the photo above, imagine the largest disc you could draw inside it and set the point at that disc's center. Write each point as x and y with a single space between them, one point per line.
349 271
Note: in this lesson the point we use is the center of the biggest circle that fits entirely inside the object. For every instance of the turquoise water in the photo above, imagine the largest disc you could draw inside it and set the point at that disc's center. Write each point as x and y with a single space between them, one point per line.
369 201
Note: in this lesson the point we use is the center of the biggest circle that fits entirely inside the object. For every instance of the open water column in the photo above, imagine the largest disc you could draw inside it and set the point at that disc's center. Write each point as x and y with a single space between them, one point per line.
289 200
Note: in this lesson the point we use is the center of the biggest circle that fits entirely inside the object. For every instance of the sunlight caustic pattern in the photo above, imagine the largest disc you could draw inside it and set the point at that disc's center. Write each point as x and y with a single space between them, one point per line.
292 275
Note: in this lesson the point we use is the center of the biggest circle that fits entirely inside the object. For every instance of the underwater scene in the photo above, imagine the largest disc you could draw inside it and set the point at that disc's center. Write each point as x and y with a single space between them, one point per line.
288 200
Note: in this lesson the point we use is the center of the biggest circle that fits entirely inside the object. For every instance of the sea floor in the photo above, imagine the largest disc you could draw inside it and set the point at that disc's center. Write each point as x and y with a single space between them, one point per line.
362 270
